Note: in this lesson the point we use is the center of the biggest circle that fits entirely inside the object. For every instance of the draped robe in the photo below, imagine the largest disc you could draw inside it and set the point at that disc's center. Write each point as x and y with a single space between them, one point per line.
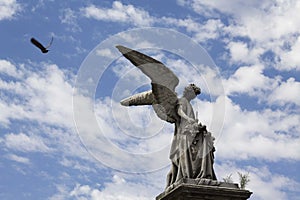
191 150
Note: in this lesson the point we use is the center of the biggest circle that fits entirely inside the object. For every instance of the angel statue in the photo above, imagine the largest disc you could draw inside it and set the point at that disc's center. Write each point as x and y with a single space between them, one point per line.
192 147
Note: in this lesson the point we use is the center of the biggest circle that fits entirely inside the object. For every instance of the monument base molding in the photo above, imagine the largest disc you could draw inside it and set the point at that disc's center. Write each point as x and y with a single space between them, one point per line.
186 191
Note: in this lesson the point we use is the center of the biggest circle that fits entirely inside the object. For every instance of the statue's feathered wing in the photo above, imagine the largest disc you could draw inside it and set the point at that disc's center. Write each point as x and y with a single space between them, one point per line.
163 81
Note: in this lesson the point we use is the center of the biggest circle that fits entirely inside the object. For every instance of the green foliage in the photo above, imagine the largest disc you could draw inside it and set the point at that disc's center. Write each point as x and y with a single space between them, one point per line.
228 179
244 180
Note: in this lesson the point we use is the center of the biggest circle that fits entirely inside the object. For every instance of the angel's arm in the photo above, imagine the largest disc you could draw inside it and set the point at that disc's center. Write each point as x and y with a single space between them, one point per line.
182 114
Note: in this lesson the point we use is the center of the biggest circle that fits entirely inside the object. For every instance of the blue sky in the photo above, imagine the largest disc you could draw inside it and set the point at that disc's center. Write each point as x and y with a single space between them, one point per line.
63 134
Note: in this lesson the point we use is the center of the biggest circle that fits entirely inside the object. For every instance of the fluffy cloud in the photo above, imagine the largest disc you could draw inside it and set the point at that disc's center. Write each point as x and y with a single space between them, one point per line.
266 26
255 18
241 53
122 186
8 68
18 159
255 134
105 53
263 183
202 32
44 96
286 92
36 110
118 189
119 13
248 20
290 58
276 186
25 143
8 8
111 134
69 17
250 80
209 8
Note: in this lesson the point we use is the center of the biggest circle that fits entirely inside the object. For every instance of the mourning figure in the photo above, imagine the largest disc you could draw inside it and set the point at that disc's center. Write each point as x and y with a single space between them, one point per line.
192 149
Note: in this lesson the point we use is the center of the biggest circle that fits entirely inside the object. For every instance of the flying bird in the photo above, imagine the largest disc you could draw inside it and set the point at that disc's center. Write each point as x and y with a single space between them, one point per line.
40 46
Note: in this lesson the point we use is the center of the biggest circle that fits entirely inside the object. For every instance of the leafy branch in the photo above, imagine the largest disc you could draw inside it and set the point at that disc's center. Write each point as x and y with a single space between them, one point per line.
228 179
244 179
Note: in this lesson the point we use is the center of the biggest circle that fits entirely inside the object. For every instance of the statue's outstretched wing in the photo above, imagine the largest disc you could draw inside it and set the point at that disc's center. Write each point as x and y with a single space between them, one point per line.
143 98
162 96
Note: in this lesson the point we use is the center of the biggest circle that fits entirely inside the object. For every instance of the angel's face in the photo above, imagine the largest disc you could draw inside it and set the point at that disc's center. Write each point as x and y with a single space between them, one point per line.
189 94
191 91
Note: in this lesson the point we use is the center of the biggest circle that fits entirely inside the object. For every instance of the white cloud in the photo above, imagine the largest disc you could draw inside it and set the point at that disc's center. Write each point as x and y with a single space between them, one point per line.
69 17
141 187
253 134
267 26
263 183
75 164
119 13
286 92
44 96
241 53
290 58
52 95
111 136
277 186
210 29
238 51
8 9
62 192
251 20
106 53
10 111
234 8
139 17
8 68
250 80
25 143
41 102
255 18
18 159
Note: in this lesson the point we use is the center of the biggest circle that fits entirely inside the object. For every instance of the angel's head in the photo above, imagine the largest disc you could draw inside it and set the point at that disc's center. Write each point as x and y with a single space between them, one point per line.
191 91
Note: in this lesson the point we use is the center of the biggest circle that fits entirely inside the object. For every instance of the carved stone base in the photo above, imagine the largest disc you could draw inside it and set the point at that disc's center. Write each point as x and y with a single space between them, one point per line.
191 189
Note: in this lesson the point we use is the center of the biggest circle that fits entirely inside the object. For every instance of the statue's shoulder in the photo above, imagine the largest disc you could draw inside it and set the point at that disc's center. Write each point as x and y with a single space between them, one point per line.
182 100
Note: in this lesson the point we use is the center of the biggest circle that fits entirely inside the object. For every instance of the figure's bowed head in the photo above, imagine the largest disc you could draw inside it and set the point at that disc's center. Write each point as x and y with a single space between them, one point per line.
191 91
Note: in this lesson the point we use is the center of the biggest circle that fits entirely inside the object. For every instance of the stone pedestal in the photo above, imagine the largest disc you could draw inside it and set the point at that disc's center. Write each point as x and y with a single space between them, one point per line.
188 190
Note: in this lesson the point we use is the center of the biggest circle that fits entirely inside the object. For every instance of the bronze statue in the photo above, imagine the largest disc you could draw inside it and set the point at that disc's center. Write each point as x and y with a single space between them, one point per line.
192 147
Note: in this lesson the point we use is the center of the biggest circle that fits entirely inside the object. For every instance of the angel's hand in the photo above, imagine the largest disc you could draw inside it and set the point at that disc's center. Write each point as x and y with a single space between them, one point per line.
192 121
